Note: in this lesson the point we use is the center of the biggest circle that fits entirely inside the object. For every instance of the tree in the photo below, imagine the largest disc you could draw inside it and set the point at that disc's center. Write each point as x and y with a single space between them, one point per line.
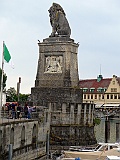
23 97
11 95
4 79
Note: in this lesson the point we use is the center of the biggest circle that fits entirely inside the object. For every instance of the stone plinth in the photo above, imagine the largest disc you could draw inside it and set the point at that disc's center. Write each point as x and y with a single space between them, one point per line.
56 87
57 72
44 95
57 64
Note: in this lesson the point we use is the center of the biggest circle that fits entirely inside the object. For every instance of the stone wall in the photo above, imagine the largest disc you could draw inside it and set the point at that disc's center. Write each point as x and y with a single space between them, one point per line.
28 138
72 124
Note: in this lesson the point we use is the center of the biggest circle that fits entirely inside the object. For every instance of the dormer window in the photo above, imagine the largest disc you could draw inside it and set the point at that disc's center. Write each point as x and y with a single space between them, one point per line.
105 89
85 89
100 89
92 89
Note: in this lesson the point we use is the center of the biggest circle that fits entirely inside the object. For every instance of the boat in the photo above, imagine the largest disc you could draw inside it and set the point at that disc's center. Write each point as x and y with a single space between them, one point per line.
113 158
99 152
95 148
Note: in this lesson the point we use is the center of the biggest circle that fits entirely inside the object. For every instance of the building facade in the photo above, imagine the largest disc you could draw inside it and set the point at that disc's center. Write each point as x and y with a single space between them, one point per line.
101 90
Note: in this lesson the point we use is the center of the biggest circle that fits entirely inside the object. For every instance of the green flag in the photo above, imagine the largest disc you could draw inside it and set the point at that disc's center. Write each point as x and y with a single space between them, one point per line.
7 55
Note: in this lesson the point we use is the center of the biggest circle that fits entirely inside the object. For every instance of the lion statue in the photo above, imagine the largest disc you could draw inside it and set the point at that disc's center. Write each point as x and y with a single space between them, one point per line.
59 23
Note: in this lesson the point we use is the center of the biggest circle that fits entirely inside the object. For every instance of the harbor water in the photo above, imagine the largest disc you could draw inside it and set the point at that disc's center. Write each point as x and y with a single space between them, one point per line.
113 131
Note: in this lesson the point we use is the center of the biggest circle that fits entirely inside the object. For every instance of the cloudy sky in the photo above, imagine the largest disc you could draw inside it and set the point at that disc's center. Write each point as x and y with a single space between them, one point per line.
95 24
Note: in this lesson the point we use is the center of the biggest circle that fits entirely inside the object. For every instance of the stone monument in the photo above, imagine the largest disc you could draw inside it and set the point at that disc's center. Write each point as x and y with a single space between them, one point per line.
57 72
57 82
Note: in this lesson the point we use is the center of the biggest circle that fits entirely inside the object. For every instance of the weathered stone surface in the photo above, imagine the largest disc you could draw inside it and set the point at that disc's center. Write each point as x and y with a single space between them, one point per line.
72 135
45 95
57 88
57 72
28 138
57 64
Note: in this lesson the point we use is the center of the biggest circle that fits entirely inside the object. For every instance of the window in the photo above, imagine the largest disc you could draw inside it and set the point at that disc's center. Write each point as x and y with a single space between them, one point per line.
85 89
113 89
119 96
95 96
102 96
100 89
113 82
105 89
115 96
92 89
111 96
84 96
91 96
99 96
107 96
88 96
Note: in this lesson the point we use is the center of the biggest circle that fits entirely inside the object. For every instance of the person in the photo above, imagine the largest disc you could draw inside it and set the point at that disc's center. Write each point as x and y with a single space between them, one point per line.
9 109
30 110
13 106
26 111
18 111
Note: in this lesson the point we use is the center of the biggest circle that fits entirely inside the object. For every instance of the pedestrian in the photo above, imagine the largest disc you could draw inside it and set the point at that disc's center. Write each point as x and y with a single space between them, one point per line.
13 106
30 110
26 111
18 111
9 109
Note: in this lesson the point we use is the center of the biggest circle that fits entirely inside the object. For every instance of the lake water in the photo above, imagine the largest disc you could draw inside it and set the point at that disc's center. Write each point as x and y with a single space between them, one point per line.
113 131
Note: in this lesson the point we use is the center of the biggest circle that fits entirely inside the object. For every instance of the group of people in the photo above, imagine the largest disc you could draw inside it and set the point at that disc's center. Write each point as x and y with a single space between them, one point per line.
16 111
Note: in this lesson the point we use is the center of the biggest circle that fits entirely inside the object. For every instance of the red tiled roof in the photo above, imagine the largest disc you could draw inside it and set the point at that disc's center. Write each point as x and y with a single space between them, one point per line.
92 83
118 79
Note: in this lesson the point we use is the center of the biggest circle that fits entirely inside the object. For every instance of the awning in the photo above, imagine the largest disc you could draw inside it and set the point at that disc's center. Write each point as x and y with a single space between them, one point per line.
111 105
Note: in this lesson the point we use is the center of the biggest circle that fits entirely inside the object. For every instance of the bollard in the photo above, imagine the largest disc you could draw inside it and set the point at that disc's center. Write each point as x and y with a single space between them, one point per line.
10 152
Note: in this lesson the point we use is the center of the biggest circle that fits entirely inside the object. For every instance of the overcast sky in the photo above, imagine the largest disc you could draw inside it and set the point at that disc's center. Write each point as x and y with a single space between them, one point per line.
95 24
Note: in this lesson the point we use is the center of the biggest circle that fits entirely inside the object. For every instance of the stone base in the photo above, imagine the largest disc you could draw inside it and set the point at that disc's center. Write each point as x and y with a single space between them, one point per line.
42 96
58 39
75 135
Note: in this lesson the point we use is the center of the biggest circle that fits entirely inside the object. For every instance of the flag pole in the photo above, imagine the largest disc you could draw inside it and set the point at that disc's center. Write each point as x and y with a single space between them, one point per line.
2 79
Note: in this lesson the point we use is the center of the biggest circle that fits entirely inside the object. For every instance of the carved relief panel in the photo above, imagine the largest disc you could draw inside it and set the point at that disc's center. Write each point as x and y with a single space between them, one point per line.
53 64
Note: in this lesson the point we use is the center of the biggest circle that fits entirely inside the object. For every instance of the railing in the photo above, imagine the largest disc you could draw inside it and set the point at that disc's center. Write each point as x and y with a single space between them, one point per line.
7 116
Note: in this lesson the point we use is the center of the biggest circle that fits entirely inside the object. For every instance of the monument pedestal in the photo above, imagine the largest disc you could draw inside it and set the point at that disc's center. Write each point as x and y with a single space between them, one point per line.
57 88
57 72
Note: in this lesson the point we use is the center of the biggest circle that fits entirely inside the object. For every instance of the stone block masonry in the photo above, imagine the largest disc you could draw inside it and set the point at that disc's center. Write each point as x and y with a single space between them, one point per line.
28 138
56 87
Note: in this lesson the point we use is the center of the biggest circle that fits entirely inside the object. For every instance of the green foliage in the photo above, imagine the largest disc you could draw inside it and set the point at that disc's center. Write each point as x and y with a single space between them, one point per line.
12 96
4 79
96 121
23 97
